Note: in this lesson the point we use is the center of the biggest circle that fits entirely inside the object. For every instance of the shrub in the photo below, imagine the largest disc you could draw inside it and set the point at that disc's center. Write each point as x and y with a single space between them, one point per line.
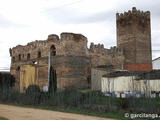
33 89
32 95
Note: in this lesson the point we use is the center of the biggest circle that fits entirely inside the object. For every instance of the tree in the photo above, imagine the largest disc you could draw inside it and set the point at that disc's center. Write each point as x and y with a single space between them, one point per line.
52 81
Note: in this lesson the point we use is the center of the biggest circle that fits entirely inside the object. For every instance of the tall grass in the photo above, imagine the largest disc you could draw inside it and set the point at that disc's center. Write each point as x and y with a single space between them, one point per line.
2 118
94 101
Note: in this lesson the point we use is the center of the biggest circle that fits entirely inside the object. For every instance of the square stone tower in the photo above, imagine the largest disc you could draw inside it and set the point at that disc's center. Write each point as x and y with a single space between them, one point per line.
134 37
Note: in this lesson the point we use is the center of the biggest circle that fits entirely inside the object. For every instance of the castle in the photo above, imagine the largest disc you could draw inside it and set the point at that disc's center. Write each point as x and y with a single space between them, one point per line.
72 60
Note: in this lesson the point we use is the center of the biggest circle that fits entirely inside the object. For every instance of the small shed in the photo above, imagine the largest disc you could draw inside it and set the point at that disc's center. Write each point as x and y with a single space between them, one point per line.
125 81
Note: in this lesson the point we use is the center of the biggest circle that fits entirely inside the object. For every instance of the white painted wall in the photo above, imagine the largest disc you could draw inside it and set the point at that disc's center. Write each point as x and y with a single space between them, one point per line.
127 83
119 84
154 85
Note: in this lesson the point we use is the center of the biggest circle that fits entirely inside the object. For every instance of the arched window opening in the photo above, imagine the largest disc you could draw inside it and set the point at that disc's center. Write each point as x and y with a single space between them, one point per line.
18 68
53 50
13 59
39 54
19 57
28 56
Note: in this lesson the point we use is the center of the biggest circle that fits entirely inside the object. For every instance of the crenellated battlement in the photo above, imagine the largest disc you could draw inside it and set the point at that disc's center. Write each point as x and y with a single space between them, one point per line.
102 56
115 50
133 15
99 49
96 46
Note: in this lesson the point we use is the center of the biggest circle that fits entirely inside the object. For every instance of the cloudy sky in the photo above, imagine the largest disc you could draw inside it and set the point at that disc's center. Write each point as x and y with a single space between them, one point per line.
23 21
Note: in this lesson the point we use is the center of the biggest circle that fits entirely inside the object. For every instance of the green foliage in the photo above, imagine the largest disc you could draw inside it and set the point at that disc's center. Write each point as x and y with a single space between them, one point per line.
89 101
7 81
52 80
9 96
33 90
2 118
32 95
89 81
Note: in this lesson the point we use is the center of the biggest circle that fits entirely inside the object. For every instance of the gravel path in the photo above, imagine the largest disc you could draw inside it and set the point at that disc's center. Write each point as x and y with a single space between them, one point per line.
21 113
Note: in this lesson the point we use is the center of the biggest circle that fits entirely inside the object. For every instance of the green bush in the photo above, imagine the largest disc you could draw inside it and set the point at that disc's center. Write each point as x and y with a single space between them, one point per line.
94 100
33 89
2 118
32 95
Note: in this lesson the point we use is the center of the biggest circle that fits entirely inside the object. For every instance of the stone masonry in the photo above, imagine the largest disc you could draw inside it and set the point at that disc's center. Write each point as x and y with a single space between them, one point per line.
72 60
134 37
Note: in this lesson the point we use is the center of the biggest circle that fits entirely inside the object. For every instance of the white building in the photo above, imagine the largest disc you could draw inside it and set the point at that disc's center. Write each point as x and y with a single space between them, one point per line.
156 63
126 82
129 83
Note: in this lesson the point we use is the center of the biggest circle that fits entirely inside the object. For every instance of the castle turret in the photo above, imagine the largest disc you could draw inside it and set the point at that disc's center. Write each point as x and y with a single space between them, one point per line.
134 36
72 64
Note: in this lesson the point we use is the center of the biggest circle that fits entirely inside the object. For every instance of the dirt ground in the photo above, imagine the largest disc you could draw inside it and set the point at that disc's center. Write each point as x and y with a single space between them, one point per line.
20 113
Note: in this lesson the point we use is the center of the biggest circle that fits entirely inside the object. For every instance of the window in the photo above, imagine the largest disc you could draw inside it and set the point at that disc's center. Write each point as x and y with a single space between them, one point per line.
13 59
18 68
53 50
39 54
28 56
19 57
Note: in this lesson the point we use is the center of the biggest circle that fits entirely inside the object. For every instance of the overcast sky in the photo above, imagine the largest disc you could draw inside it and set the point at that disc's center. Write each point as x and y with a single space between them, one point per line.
23 21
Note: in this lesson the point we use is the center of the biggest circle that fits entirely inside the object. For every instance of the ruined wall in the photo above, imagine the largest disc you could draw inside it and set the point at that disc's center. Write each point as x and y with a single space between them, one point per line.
72 59
72 65
134 36
34 53
68 55
101 56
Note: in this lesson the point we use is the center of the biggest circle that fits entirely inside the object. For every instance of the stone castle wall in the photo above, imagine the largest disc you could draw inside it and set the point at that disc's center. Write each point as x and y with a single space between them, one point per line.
71 54
72 66
33 52
101 56
134 36
72 60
